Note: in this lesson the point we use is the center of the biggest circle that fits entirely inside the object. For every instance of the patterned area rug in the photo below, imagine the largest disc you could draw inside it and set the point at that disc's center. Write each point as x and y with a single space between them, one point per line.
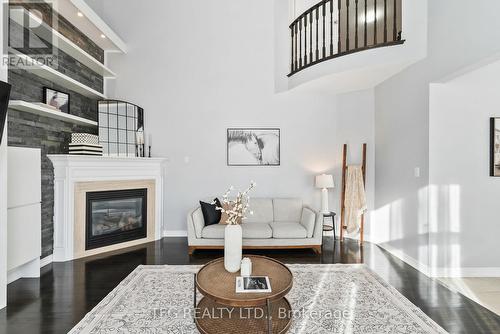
326 298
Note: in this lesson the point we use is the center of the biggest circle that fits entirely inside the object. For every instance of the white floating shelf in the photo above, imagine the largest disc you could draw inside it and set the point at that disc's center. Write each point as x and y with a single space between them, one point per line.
90 23
54 76
49 112
83 57
61 42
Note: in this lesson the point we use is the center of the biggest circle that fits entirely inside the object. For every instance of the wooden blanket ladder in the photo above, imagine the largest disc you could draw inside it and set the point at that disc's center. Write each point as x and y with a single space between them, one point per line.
342 198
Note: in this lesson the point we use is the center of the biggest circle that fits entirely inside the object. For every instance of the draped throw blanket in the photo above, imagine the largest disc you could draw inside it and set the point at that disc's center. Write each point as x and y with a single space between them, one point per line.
355 199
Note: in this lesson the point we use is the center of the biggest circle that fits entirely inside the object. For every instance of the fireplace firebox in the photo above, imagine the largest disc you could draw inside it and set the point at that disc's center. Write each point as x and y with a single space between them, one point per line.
115 216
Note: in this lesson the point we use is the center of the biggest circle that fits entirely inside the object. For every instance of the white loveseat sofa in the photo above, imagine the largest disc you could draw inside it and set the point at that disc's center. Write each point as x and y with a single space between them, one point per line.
276 223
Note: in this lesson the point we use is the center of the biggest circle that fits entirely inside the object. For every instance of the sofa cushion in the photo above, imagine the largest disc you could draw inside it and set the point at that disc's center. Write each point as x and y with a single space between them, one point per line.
288 230
257 231
250 231
262 211
308 220
215 231
287 209
210 213
224 217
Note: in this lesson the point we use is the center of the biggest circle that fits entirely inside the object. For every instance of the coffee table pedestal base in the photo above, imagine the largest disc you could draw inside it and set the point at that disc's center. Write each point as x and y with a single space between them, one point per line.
211 318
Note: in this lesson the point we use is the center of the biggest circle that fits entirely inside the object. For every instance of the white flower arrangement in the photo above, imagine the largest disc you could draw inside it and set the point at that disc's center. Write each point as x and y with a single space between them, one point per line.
239 207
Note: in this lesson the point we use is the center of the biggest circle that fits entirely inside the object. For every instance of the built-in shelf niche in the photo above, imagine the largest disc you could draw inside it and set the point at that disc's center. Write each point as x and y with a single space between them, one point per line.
54 76
62 43
37 109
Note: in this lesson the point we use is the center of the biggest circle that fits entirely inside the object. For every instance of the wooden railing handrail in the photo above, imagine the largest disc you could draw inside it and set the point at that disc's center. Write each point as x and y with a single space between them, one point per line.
359 26
313 7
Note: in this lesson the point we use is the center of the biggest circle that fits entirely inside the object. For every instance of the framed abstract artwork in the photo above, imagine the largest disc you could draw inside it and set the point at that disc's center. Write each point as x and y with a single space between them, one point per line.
495 146
253 147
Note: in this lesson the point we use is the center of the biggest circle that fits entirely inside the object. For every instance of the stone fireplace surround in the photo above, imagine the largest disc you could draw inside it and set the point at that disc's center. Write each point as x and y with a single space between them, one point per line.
76 175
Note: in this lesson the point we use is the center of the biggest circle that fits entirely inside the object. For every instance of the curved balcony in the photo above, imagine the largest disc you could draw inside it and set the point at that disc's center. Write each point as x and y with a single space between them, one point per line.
335 28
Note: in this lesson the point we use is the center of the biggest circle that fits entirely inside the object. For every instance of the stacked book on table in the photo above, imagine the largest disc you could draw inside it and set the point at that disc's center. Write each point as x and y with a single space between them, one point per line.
85 144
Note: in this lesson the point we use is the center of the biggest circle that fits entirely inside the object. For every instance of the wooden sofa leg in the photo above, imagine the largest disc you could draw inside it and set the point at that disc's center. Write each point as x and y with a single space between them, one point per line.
317 249
191 250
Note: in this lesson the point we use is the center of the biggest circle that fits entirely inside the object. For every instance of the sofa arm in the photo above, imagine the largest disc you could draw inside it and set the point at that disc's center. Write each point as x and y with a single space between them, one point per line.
309 220
318 226
196 223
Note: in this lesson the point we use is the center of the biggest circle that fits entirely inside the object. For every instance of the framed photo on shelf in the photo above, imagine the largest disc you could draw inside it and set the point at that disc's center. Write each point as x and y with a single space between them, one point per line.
253 147
56 99
495 146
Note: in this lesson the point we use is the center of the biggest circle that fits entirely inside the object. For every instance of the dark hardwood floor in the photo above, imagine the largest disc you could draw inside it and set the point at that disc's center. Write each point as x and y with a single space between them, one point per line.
65 292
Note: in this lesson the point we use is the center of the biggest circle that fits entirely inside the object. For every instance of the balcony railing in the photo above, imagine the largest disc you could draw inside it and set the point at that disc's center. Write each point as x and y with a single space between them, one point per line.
334 28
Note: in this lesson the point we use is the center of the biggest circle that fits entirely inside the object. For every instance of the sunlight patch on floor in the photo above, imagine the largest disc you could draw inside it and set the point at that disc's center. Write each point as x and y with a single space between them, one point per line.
483 290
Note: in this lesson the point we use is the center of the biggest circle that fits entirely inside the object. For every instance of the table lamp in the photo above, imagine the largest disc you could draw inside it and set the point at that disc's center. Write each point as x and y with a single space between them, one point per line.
324 181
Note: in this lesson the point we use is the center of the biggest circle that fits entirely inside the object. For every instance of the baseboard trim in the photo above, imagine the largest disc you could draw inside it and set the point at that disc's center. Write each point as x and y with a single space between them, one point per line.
46 260
175 233
423 268
466 272
442 272
28 270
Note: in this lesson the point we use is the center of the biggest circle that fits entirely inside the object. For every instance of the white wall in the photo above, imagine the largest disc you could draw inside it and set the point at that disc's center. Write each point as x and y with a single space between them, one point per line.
464 198
199 67
461 33
3 184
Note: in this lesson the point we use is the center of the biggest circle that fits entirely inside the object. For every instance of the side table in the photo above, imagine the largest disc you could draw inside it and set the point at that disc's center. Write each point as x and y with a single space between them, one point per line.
328 228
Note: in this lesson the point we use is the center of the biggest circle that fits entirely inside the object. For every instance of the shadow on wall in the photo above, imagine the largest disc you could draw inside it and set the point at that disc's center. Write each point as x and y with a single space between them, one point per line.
391 232
445 252
436 244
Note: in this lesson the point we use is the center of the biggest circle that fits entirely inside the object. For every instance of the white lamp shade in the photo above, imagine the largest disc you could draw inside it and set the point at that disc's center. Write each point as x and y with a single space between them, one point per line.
324 181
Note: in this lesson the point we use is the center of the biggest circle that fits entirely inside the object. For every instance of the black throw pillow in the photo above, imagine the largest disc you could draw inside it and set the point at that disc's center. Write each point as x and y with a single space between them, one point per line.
210 214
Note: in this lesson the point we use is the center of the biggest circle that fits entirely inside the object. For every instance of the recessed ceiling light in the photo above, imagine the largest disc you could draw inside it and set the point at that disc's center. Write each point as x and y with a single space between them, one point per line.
80 14
103 36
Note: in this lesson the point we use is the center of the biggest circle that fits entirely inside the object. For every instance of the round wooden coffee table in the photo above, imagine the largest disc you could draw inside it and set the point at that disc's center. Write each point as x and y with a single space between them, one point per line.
222 310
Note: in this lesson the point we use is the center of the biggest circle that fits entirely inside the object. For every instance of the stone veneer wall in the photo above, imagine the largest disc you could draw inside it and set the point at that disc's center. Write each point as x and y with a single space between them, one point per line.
66 28
50 135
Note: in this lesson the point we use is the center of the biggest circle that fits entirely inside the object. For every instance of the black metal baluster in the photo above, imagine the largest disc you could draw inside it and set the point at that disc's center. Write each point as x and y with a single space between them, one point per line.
311 58
317 33
296 55
366 23
291 29
305 38
303 55
331 27
339 50
356 34
385 21
324 28
347 33
300 43
375 23
395 27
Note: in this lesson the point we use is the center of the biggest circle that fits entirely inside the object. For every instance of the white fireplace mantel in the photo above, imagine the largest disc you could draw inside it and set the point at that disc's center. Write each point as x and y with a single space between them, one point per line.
72 169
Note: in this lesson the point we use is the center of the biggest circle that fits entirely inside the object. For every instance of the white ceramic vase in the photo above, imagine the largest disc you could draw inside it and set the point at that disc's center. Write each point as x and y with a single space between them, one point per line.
233 241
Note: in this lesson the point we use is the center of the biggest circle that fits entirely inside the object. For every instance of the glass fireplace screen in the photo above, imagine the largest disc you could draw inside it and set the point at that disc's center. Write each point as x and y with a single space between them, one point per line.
115 216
